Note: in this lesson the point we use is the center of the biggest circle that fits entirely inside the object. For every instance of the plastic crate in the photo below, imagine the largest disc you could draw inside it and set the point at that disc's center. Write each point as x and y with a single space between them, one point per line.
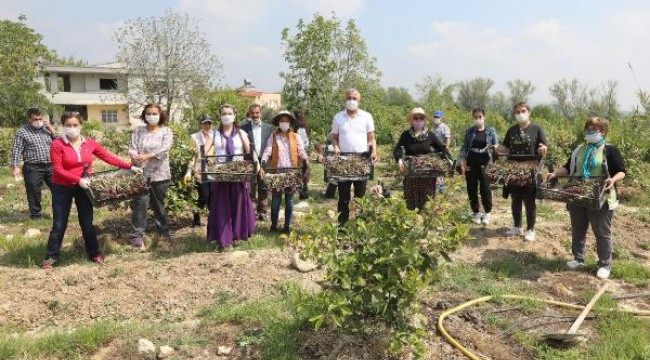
108 187
349 167
428 166
283 179
575 190
229 168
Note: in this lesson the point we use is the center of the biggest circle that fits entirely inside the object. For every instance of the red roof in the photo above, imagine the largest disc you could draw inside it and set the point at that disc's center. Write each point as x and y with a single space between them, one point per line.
251 93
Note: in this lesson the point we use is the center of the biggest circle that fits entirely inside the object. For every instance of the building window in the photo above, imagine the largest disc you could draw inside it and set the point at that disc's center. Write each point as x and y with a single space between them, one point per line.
108 84
109 116
273 104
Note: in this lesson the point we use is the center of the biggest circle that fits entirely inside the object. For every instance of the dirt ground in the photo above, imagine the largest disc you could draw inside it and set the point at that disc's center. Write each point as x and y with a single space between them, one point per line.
139 286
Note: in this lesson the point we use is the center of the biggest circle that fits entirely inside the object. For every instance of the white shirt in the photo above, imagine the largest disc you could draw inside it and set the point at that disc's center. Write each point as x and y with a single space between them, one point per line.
353 132
442 131
220 145
257 136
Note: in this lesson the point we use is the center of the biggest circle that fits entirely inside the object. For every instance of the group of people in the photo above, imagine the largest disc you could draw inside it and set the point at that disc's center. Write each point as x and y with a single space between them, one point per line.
63 163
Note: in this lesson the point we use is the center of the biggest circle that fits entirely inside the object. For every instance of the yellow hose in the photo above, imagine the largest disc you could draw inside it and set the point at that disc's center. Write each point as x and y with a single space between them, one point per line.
460 307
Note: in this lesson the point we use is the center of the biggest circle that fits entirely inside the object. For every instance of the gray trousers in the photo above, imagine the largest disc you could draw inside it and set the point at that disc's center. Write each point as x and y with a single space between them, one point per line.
601 225
139 205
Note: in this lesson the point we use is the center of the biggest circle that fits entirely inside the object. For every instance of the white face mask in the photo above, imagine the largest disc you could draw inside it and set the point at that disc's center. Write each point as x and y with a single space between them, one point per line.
417 125
152 119
284 126
522 117
480 121
352 104
437 121
72 132
593 137
37 124
227 119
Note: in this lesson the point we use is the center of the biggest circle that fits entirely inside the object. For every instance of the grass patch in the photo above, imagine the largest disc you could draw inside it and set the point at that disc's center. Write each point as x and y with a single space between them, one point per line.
274 316
549 212
631 272
466 278
61 344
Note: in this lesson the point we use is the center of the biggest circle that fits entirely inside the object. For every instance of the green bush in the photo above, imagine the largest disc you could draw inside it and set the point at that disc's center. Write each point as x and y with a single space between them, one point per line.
378 266
6 144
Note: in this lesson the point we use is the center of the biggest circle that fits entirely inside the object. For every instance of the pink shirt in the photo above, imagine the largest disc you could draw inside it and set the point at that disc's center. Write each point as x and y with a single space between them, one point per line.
284 160
68 164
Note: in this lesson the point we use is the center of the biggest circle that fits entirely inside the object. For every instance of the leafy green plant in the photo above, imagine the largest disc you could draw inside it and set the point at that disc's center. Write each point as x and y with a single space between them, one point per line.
378 266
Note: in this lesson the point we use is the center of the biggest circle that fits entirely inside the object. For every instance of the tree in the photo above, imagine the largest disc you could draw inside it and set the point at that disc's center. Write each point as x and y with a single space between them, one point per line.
68 61
474 93
22 57
435 93
166 59
323 60
574 100
399 97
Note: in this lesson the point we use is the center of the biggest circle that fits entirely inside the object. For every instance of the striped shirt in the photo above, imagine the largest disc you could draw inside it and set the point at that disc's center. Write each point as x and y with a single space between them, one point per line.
32 144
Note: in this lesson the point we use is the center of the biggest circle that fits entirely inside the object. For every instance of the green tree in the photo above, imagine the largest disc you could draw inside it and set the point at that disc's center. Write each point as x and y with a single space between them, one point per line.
323 60
473 93
166 59
22 57
399 97
434 92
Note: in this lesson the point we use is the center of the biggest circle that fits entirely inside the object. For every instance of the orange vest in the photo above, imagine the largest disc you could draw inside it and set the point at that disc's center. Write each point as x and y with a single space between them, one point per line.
293 150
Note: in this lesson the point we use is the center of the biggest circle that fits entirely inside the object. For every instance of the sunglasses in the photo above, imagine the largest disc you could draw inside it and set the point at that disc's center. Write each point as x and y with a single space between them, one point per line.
418 118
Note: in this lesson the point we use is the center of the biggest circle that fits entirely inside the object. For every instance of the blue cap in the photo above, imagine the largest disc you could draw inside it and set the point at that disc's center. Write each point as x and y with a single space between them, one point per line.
438 114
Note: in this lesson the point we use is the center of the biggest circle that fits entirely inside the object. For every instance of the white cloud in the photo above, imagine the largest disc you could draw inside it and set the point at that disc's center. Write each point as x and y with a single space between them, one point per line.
543 52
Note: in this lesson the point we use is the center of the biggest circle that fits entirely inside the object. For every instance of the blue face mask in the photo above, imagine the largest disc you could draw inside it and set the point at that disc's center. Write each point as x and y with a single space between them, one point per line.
593 137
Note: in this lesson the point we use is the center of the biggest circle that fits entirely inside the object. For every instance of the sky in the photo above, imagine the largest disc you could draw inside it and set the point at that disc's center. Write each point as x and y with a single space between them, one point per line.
542 41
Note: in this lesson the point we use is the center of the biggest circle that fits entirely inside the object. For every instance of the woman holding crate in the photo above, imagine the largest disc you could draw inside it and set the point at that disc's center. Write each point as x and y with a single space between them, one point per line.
150 146
474 155
232 216
527 141
284 150
72 155
588 160
417 140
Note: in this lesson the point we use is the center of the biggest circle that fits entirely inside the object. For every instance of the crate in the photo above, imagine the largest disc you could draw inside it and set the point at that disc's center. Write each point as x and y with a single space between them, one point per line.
112 186
349 167
283 179
513 172
229 168
428 166
574 190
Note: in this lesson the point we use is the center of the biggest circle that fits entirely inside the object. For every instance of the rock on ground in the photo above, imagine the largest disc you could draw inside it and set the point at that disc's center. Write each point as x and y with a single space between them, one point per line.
31 233
165 352
146 347
302 265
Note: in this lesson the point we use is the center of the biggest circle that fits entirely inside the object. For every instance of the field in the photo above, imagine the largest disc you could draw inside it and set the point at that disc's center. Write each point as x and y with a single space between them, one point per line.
204 303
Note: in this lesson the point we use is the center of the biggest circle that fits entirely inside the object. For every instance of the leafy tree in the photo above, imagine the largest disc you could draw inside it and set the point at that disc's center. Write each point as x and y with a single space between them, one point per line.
323 60
473 93
68 61
399 97
435 93
166 59
520 90
22 57
574 100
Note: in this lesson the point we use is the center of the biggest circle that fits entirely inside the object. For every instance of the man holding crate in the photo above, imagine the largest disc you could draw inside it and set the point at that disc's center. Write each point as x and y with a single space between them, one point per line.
353 131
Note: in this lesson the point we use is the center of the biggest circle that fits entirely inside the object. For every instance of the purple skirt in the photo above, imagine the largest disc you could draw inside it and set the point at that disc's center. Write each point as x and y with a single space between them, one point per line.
232 216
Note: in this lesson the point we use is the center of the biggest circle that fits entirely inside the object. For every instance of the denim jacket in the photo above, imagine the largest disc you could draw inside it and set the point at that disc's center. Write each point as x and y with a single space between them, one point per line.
491 137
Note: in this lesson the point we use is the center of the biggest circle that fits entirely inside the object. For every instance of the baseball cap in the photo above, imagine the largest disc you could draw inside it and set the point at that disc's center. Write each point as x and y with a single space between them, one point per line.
205 118
438 114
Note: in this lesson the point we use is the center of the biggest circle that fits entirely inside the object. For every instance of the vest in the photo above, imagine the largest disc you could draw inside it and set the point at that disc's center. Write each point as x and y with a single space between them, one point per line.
293 150
578 159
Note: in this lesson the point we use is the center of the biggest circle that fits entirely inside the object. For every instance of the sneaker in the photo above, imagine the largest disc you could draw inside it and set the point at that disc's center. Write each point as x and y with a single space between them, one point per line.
603 273
486 219
515 231
48 264
574 264
529 235
137 242
476 218
98 259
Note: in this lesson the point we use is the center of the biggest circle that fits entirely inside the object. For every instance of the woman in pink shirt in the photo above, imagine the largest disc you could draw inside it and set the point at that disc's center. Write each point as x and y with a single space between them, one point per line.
283 150
70 154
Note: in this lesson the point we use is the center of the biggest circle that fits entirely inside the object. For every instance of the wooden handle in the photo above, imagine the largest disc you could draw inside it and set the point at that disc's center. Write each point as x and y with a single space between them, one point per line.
576 324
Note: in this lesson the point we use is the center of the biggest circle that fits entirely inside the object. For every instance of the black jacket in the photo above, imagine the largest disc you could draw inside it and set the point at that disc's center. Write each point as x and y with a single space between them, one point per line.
267 129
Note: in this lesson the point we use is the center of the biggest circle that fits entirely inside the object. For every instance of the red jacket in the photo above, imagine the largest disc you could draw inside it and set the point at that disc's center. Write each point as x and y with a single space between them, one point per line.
68 165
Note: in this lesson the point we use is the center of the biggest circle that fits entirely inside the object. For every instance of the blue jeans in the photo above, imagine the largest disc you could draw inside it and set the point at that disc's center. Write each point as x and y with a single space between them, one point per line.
275 208
61 202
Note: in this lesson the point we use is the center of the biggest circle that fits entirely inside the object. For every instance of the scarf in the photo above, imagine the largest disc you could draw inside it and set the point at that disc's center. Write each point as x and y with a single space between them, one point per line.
590 159
230 145
419 138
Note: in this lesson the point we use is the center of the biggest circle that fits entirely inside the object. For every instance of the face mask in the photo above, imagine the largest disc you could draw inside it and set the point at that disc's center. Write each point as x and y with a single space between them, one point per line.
522 117
437 121
72 132
284 126
227 119
593 137
37 124
152 119
479 121
352 104
417 125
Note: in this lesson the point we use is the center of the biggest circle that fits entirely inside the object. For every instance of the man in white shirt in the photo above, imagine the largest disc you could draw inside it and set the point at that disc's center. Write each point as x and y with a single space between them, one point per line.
353 131
258 133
